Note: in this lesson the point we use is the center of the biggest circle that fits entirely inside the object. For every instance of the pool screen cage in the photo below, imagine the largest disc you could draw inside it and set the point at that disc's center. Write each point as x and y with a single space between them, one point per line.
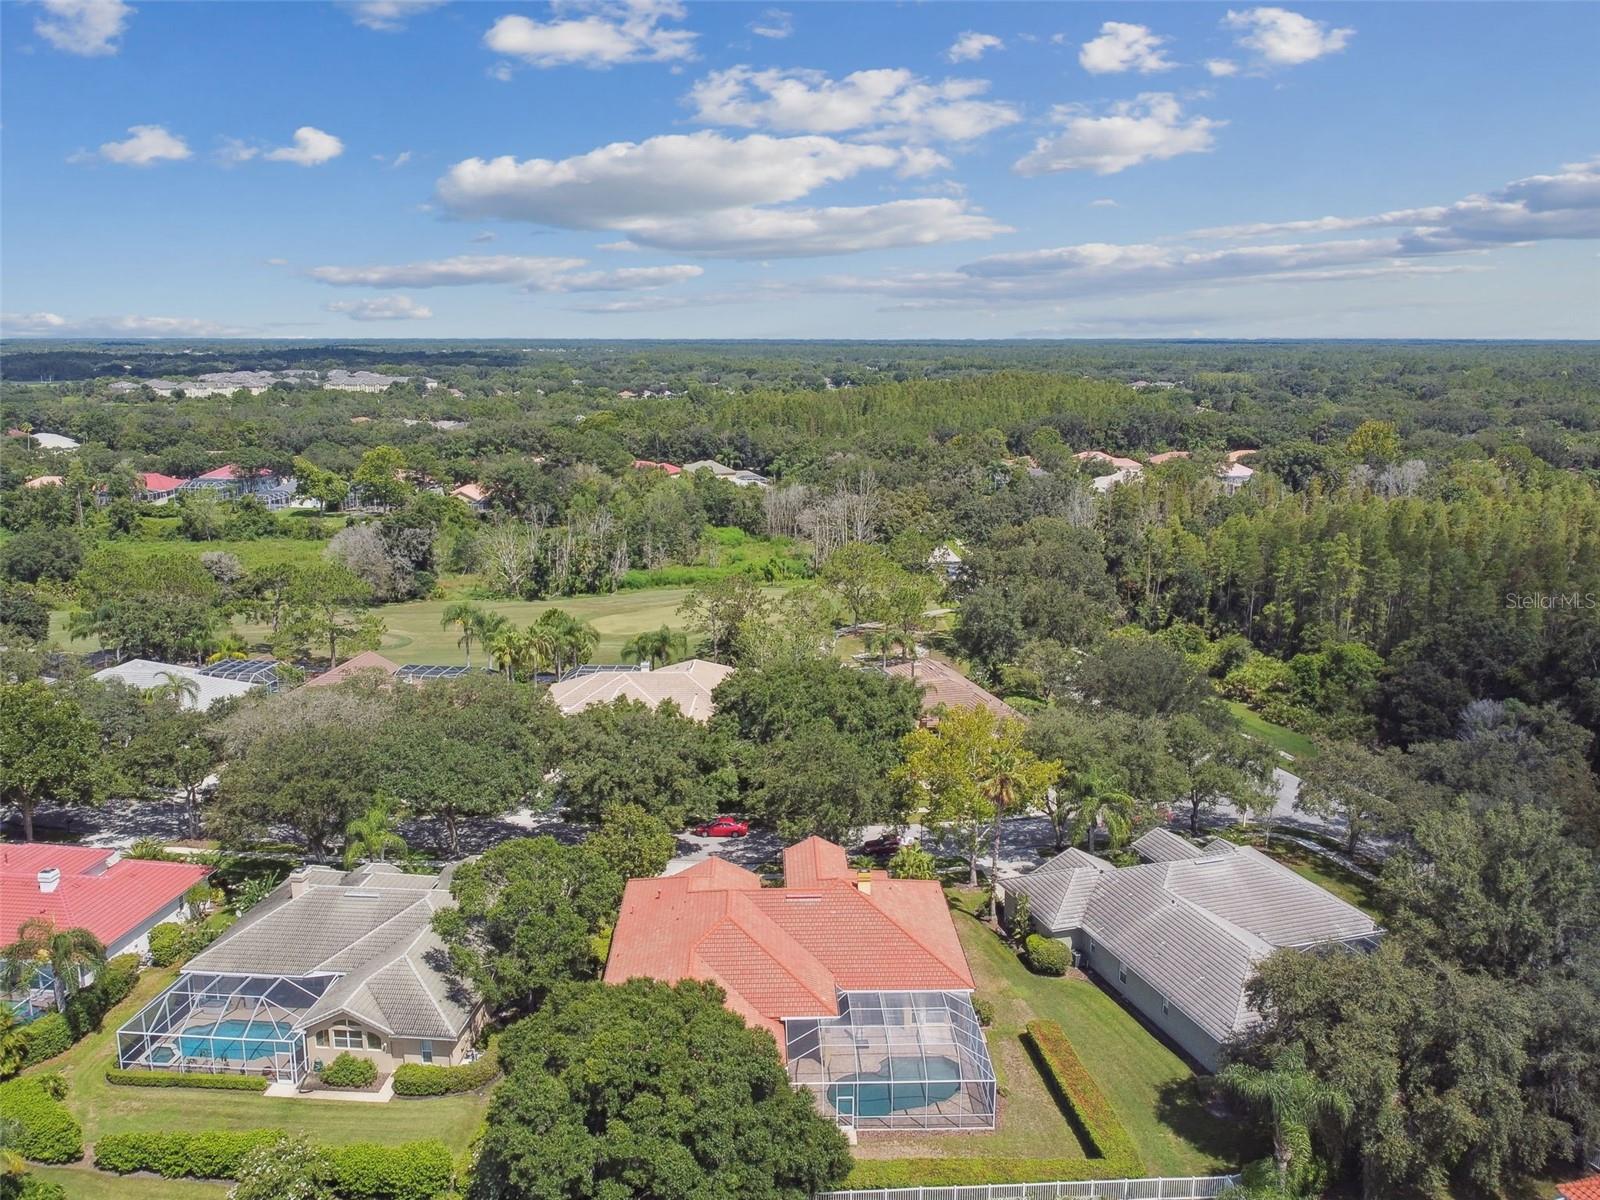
224 1025
897 1060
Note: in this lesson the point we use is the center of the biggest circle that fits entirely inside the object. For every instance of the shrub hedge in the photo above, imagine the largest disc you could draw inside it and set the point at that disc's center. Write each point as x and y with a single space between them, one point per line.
361 1170
46 1131
171 1079
421 1079
348 1071
1084 1104
87 1006
33 1188
170 943
1046 956
967 1172
46 1037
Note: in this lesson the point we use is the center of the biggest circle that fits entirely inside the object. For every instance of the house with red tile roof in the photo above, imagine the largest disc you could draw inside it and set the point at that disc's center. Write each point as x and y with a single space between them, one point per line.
861 980
645 464
119 900
1587 1188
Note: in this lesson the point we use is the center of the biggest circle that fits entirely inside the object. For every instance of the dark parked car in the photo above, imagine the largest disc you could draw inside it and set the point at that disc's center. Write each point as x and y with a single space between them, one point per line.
881 847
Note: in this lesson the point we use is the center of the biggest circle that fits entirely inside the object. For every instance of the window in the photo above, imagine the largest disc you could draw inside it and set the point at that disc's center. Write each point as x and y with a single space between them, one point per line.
347 1037
374 1042
322 1037
427 1052
1122 975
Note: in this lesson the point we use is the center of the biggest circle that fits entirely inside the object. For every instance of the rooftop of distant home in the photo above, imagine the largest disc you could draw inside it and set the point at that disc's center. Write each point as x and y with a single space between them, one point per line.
687 684
944 687
88 887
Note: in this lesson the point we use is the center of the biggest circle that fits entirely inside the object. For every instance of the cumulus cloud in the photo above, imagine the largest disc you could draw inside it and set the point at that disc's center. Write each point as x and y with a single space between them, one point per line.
1147 129
1285 39
606 33
311 147
1563 205
388 16
1221 68
970 46
707 194
144 146
887 103
1104 202
534 274
382 308
90 28
50 324
1124 47
773 23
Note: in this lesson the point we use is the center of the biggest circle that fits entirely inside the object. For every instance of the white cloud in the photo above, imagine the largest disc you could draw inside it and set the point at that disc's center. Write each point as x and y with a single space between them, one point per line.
807 232
707 194
145 146
90 28
970 46
388 16
608 32
400 159
1103 203
1221 68
1124 47
1283 38
887 103
1148 129
311 148
234 150
54 325
534 274
773 23
666 176
383 308
488 235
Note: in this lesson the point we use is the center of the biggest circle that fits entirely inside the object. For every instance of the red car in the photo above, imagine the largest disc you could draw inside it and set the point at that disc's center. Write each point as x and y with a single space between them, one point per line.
723 827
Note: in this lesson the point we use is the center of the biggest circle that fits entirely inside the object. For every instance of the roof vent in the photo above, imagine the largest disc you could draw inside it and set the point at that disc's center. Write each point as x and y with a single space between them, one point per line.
357 894
864 883
49 879
801 897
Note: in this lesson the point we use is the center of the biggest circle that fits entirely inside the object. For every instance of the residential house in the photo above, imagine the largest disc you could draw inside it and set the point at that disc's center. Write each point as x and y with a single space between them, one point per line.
147 674
944 687
39 481
45 441
119 900
688 685
232 481
330 962
369 663
748 479
1180 935
860 979
946 560
645 464
473 496
151 487
720 470
1115 461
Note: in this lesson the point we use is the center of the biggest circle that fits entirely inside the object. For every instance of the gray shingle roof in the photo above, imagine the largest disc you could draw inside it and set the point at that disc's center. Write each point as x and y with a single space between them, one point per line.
1193 924
1162 845
372 928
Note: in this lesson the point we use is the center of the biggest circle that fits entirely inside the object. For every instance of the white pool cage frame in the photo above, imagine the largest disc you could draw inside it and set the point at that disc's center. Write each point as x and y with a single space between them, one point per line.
896 1060
177 1030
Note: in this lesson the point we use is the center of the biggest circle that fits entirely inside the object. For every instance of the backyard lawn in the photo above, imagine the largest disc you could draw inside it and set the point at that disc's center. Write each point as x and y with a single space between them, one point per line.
85 1183
105 1108
1150 1086
1325 873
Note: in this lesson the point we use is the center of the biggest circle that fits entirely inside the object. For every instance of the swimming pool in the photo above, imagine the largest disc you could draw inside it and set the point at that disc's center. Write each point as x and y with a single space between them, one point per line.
237 1040
902 1083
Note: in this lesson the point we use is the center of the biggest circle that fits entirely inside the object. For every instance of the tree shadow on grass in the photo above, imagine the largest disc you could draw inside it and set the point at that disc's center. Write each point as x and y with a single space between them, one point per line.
1184 1106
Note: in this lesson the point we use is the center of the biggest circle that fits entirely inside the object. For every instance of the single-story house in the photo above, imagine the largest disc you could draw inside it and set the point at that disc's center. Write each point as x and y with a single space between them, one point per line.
473 495
232 480
1115 461
645 464
146 674
368 662
45 441
946 560
720 470
1179 936
119 900
331 961
39 481
944 687
748 479
155 488
861 980
687 684
1104 483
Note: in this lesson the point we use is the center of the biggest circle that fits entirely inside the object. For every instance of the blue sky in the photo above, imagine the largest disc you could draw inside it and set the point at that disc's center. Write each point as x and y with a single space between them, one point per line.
643 168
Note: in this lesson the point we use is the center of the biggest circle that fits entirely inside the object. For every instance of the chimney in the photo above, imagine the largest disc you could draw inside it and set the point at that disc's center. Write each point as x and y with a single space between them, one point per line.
644 664
864 883
297 883
49 879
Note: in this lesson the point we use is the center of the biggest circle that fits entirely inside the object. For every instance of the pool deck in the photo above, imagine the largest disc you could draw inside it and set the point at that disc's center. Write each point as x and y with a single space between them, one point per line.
290 1091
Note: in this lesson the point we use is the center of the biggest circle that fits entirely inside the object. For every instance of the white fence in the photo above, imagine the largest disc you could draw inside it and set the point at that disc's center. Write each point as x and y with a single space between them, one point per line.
1198 1187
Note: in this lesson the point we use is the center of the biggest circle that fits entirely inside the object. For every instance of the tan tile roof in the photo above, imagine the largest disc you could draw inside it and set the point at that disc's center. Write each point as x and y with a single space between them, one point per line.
369 660
945 687
687 684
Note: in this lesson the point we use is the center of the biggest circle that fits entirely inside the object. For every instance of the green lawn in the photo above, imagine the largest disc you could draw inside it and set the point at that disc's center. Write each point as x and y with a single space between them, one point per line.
1279 737
105 1108
1151 1087
85 1183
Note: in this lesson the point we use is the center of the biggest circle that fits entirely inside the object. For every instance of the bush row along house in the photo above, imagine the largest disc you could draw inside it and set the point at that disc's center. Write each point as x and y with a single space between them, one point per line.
1179 936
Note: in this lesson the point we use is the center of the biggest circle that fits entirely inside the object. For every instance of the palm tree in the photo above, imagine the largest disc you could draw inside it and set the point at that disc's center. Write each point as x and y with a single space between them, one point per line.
520 652
1010 776
229 645
1291 1097
372 835
658 647
1100 802
176 687
569 640
13 1046
488 625
467 617
65 952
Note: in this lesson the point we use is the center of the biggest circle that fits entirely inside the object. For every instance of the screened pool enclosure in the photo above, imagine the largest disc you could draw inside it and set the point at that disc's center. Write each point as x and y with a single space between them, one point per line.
224 1025
897 1060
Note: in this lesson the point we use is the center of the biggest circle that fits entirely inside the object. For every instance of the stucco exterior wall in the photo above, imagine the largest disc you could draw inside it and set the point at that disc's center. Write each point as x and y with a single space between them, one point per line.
1123 980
